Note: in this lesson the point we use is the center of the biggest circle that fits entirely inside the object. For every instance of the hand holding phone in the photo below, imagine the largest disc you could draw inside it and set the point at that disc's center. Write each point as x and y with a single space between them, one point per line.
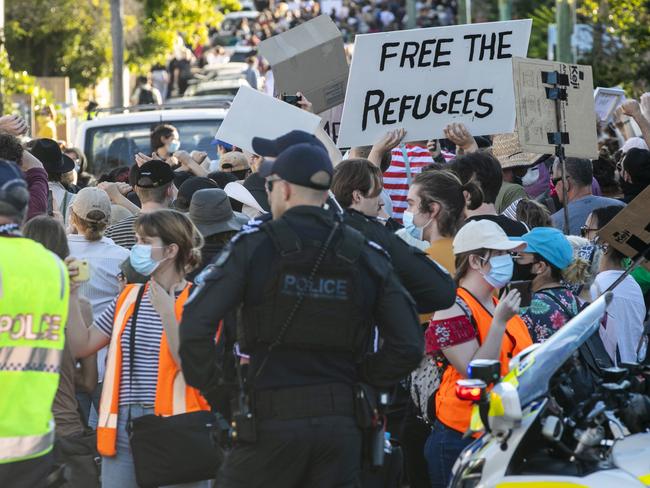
525 290
83 270
291 99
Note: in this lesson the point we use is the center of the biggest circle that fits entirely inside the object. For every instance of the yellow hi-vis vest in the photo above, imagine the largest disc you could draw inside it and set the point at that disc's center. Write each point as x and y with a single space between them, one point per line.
34 293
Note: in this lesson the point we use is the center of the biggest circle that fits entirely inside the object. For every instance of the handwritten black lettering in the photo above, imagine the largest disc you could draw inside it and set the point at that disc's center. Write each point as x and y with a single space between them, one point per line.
388 111
454 100
425 52
468 99
439 109
440 53
367 107
427 108
472 38
503 45
385 55
483 104
409 55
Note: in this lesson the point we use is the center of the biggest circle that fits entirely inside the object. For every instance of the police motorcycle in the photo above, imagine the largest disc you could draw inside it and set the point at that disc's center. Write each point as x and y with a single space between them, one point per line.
548 423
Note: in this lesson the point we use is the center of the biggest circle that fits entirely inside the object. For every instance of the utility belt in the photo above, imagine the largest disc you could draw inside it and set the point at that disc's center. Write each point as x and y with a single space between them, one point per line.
304 402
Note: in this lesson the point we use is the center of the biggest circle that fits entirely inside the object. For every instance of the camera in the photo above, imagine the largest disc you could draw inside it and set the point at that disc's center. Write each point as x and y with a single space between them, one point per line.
291 99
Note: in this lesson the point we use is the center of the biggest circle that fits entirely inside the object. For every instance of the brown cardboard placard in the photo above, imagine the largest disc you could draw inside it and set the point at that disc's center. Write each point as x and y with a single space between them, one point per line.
629 231
536 117
309 58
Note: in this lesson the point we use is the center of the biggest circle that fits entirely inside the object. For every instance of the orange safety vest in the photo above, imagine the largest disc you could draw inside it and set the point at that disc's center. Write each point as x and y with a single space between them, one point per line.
173 396
451 410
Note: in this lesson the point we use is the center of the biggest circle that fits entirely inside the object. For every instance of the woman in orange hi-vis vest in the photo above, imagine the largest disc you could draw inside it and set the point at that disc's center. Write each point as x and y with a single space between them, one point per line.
478 326
168 247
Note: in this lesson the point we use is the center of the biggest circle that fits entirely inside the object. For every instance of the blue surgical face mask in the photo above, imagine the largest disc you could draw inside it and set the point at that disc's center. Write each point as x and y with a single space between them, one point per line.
174 146
501 269
413 230
141 259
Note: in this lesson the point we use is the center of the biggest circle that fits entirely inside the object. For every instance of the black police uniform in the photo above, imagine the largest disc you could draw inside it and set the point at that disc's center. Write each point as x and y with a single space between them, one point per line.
430 285
307 435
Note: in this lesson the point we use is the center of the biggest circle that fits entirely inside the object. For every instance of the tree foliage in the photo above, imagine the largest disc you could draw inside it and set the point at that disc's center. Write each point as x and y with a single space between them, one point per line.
20 82
59 38
165 20
621 54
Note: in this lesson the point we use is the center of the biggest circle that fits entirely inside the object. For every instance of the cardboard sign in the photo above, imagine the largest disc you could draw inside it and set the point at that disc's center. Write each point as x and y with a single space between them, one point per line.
332 121
536 116
424 79
254 114
606 101
629 231
310 59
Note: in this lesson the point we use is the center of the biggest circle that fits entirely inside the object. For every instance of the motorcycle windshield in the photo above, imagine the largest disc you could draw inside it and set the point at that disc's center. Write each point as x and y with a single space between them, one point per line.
533 373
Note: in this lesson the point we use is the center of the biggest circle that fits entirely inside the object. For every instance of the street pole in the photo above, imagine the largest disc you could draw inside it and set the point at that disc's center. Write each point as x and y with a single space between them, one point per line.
2 47
117 35
505 9
411 14
564 20
462 11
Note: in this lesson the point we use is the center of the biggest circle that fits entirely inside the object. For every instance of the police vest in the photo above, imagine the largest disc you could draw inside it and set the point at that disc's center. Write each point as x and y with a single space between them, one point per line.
451 410
34 294
173 396
331 316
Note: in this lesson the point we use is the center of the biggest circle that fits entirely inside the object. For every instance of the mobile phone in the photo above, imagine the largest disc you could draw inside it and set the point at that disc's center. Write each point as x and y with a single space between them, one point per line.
84 270
291 99
525 290
50 203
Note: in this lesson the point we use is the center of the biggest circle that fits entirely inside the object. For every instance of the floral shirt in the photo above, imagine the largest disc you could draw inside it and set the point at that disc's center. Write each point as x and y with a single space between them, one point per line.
549 310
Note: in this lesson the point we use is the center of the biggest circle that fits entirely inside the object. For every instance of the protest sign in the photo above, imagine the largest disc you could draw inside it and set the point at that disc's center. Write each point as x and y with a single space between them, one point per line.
629 231
423 79
254 114
606 101
327 6
536 114
332 121
309 59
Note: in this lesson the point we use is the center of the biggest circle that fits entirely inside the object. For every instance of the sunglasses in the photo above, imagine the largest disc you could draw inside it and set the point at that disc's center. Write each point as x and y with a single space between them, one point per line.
269 184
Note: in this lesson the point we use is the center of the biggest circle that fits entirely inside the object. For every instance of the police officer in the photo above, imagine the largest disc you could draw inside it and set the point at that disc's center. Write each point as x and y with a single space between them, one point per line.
310 290
33 311
357 185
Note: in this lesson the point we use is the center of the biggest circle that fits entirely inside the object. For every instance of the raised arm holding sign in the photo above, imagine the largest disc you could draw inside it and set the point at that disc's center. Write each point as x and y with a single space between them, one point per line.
424 79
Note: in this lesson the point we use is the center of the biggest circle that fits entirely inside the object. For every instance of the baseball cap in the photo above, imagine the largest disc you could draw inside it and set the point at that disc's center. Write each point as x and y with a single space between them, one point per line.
92 204
483 234
233 161
550 244
219 142
153 174
273 147
304 164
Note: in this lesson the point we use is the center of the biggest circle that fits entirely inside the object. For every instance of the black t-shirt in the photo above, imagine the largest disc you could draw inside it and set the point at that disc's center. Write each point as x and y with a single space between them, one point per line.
512 228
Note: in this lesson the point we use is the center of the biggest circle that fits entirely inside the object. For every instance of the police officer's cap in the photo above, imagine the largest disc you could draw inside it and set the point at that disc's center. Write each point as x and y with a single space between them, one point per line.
304 165
13 188
273 147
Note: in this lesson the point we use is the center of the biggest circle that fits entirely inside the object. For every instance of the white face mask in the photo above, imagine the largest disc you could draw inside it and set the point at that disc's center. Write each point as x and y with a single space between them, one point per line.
531 176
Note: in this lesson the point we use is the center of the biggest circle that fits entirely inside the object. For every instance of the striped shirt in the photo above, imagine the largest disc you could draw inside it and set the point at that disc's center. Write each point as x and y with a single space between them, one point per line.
123 233
395 180
148 333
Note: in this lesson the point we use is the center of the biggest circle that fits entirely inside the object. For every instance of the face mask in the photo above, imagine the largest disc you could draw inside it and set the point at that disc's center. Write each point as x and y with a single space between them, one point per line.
531 177
413 230
500 273
174 146
523 272
142 261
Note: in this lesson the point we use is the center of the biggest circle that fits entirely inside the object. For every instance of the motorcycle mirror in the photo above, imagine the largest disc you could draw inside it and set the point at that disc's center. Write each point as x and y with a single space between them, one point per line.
486 370
471 389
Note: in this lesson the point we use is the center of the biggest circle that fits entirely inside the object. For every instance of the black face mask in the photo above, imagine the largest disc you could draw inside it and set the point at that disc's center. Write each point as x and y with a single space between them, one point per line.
523 272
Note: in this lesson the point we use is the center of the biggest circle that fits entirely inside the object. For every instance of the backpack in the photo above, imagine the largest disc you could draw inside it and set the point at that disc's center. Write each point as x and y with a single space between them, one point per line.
146 97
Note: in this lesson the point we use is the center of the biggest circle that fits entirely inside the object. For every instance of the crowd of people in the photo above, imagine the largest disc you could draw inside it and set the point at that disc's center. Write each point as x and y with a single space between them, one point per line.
478 209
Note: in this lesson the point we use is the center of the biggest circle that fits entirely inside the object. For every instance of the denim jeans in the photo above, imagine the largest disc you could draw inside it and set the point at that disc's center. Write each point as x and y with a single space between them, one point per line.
441 450
119 471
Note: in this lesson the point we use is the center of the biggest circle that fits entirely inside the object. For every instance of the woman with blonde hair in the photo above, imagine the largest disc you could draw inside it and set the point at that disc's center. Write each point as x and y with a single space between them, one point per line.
168 247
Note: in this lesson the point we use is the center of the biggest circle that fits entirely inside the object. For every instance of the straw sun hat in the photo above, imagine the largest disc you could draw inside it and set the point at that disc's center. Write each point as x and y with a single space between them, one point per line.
506 148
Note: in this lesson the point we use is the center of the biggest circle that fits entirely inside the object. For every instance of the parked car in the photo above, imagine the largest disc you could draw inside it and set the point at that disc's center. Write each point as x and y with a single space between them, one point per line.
226 36
112 140
216 87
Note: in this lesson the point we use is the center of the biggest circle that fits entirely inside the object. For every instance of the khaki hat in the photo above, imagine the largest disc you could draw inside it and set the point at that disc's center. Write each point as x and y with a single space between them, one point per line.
483 234
506 148
92 204
233 161
211 212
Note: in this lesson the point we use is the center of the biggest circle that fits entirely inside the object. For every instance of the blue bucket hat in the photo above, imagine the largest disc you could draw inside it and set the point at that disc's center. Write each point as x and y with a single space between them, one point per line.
550 244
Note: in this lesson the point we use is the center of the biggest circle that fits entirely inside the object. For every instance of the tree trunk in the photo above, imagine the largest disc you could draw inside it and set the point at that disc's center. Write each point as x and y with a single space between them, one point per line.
117 35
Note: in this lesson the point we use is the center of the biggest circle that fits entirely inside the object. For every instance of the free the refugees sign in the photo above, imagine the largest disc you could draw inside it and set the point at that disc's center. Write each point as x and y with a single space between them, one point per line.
423 79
